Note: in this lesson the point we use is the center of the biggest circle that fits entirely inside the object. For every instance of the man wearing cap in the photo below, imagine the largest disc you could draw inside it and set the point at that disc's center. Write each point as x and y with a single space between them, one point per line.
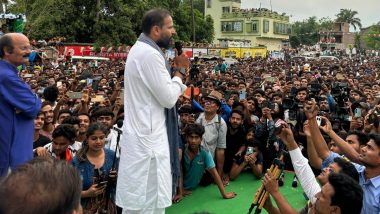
214 138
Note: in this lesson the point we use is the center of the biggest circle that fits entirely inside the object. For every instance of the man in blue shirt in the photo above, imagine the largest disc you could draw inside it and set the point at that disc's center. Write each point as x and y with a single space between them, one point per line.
368 156
195 161
18 104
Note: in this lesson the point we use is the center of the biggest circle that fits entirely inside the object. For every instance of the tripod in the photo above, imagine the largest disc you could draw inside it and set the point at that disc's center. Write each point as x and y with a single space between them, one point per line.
110 181
261 194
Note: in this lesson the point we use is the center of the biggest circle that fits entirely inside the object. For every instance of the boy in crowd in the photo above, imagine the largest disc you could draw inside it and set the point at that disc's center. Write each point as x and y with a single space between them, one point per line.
196 160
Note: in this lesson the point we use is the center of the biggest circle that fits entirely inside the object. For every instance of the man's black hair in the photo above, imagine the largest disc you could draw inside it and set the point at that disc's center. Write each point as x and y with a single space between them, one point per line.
347 168
236 111
51 93
82 113
260 91
46 103
28 189
376 138
185 109
64 111
362 137
65 130
154 17
72 120
277 94
303 89
6 43
102 112
194 129
348 194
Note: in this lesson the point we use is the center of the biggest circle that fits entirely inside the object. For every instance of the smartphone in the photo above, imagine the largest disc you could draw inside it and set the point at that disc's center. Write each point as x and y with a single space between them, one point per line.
358 112
319 120
59 84
41 90
249 150
242 95
97 99
28 75
74 95
271 79
89 82
101 184
67 72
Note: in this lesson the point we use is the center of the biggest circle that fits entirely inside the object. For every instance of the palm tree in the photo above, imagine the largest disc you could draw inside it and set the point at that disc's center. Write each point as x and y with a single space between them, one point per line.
348 15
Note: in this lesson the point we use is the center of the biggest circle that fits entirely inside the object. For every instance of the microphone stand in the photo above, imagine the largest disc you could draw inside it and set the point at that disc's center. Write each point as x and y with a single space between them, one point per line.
110 181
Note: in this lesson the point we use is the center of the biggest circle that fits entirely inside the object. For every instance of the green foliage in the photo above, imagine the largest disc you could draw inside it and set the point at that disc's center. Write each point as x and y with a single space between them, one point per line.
372 39
357 41
326 24
305 32
107 22
348 15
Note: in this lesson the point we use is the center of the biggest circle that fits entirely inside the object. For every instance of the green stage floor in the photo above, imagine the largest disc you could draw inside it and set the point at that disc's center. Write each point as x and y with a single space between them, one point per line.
208 199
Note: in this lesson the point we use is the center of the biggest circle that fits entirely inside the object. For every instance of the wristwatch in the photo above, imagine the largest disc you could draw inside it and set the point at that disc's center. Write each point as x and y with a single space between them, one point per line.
182 71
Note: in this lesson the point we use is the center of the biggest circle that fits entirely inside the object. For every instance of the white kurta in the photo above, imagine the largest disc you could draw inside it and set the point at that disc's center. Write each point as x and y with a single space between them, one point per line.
144 179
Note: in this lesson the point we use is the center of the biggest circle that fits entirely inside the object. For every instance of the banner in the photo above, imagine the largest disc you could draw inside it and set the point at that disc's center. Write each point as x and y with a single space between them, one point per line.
78 50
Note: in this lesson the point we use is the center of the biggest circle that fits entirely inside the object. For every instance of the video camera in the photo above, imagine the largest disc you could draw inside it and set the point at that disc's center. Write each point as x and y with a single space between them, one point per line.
341 92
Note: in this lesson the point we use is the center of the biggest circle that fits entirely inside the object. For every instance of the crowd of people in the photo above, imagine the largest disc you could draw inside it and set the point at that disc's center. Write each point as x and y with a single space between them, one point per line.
232 118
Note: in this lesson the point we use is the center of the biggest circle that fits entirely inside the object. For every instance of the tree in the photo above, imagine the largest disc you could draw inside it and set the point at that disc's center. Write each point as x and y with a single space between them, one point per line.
372 39
326 24
305 32
357 40
105 22
348 15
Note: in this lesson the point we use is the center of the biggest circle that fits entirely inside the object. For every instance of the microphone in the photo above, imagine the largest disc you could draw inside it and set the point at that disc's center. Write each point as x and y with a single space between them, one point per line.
119 125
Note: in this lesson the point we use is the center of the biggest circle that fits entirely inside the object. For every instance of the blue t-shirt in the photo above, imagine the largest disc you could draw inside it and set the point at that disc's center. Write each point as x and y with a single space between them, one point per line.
193 170
371 187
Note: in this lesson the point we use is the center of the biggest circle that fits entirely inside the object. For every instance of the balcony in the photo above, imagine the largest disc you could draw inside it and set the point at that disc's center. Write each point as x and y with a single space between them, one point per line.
251 13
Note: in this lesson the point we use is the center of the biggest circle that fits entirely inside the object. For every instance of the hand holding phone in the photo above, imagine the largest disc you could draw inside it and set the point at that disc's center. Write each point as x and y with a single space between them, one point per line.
358 112
242 95
101 184
319 120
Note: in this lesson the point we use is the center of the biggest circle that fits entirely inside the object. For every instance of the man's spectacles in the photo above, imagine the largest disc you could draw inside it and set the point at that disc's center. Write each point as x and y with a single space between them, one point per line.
210 102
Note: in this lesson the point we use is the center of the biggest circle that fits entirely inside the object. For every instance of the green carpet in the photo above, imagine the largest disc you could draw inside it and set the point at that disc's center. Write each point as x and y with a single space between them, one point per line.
208 199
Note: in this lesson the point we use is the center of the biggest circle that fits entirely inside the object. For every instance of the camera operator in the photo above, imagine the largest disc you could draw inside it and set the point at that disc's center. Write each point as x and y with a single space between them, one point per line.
265 133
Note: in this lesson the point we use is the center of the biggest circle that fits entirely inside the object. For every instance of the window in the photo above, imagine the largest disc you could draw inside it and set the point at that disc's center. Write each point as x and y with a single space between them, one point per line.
281 28
255 26
208 3
266 26
225 9
232 27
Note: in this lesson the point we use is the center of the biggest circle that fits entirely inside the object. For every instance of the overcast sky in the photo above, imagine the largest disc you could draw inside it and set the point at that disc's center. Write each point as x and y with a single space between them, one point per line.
369 10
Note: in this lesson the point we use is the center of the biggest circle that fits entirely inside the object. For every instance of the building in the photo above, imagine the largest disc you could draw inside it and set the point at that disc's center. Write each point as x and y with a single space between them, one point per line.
339 37
256 27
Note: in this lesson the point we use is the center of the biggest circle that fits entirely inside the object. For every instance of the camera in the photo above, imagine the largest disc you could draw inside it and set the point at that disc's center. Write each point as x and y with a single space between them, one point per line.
372 117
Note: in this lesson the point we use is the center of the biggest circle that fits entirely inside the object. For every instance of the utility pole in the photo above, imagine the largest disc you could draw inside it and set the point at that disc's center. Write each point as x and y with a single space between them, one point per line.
193 26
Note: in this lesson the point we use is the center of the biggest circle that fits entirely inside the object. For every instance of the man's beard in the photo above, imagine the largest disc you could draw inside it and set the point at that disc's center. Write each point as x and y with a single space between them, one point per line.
164 42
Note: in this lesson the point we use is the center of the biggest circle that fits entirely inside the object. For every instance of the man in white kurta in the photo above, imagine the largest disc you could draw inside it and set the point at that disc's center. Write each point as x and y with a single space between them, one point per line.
144 181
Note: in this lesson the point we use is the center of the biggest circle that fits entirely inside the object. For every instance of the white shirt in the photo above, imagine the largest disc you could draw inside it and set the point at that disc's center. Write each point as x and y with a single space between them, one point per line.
144 178
215 133
304 174
111 142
